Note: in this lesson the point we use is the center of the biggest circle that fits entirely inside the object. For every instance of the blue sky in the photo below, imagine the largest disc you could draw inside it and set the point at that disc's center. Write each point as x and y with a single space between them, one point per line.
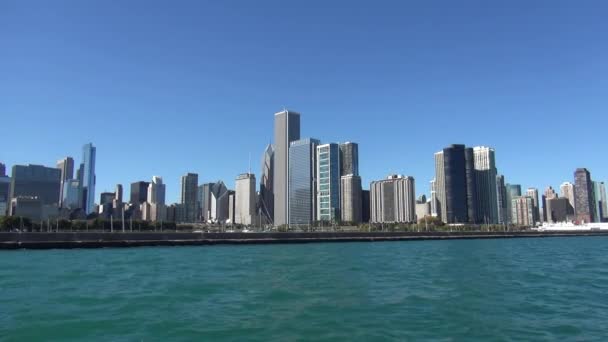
169 87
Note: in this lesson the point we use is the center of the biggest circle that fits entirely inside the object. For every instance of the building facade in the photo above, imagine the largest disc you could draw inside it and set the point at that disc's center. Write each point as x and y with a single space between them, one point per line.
87 186
350 199
393 200
36 181
266 200
456 186
522 211
533 193
485 177
66 165
501 197
559 210
328 184
583 196
286 130
139 192
349 159
566 189
302 181
513 191
189 189
245 200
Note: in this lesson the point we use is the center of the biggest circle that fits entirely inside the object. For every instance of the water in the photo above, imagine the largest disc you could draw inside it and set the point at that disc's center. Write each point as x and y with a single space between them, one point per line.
485 290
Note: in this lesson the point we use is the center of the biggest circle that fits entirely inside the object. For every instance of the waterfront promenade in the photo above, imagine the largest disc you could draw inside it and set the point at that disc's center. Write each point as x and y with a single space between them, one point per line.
140 239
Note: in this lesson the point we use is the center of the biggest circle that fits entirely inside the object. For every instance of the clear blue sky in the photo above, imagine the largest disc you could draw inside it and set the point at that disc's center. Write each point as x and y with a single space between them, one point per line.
165 88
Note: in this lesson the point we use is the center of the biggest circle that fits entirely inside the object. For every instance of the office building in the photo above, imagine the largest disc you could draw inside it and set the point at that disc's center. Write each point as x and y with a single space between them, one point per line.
71 190
139 192
106 198
66 165
485 178
87 185
118 193
566 190
266 199
156 200
559 210
5 188
599 195
36 181
501 196
583 196
547 195
215 201
522 211
189 189
245 200
302 182
349 159
393 200
456 185
286 130
350 199
513 191
2 170
365 206
435 210
231 207
533 193
328 184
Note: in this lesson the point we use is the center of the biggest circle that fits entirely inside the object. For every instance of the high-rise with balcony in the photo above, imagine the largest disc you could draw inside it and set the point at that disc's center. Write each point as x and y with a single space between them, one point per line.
87 185
286 130
349 159
189 188
393 200
583 196
328 184
302 182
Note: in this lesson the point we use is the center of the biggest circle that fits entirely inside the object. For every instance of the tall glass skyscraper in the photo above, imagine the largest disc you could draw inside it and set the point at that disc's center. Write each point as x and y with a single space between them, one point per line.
286 130
89 153
302 176
328 184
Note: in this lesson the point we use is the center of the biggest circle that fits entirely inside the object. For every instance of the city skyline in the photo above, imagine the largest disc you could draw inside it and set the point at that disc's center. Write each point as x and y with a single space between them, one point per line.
480 78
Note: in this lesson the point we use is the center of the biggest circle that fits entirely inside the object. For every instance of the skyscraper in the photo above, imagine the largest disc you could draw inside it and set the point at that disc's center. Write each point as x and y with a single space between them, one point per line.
533 193
456 185
435 210
266 204
566 189
189 185
2 170
485 177
286 130
66 165
393 200
244 208
365 206
302 181
215 198
71 190
583 196
139 192
350 198
156 199
5 188
547 195
89 153
118 193
501 195
513 191
349 159
328 184
599 195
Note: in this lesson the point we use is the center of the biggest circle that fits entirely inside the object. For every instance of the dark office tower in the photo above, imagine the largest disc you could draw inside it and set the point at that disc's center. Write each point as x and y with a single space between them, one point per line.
36 181
302 177
139 192
106 198
266 200
455 179
189 191
349 159
118 193
365 206
89 154
472 202
583 196
286 130
501 194
2 170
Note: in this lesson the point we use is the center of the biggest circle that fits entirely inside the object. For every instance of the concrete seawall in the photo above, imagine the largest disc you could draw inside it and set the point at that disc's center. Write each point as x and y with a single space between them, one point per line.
101 240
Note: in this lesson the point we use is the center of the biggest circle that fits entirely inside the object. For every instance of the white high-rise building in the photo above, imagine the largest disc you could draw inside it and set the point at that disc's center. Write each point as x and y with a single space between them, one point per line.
485 178
155 200
441 204
434 202
393 200
567 190
244 211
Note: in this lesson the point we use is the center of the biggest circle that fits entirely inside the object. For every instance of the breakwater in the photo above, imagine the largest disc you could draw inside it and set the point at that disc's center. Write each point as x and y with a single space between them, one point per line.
101 239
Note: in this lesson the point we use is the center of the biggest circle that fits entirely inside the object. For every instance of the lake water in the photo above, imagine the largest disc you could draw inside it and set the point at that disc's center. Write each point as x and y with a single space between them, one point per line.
484 290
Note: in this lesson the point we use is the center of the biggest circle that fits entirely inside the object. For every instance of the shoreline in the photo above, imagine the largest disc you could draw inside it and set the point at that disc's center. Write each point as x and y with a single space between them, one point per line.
72 240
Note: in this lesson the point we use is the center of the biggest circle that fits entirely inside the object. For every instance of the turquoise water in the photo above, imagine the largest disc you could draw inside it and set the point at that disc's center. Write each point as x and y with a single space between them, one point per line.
484 290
